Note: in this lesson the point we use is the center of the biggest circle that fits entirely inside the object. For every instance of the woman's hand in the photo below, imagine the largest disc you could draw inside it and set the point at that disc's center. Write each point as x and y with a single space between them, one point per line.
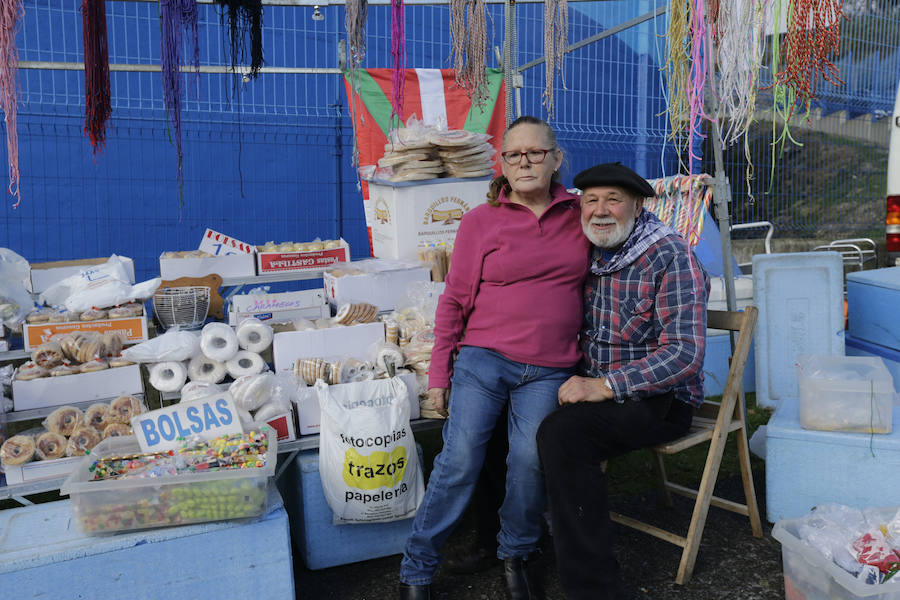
438 397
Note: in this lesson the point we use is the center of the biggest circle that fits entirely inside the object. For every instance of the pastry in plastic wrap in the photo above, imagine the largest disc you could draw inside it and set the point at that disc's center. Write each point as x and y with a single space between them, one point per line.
95 415
37 316
29 371
116 430
94 314
64 420
48 354
112 343
118 361
83 439
50 445
123 408
17 450
65 369
97 364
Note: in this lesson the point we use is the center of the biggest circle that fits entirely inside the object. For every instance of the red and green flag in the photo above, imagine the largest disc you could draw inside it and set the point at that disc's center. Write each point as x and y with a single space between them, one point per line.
430 94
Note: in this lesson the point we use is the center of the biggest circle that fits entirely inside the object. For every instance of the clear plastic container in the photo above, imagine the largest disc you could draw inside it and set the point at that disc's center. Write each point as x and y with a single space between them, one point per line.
845 393
808 575
128 504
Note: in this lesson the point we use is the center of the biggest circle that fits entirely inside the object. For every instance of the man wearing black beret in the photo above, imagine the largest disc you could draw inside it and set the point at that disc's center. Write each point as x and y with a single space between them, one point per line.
643 343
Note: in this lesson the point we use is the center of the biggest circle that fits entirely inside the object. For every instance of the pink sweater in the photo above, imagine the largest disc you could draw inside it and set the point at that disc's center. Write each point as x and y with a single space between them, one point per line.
514 286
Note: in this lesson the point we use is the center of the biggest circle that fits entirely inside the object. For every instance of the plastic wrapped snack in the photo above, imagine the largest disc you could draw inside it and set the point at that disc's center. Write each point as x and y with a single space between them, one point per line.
48 354
17 450
64 420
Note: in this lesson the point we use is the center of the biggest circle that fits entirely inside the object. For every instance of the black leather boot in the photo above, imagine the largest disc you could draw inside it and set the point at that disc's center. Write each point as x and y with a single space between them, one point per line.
523 578
415 592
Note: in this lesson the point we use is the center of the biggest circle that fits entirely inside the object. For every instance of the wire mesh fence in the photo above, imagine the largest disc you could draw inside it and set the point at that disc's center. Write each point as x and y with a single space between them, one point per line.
269 158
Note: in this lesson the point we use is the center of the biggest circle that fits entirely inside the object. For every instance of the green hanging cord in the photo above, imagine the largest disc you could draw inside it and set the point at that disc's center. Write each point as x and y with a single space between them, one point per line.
783 97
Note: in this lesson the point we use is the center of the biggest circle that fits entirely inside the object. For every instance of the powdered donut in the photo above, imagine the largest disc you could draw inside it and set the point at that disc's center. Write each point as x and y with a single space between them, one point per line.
168 376
218 342
123 408
95 415
201 368
64 420
245 363
82 440
17 450
254 335
116 429
49 446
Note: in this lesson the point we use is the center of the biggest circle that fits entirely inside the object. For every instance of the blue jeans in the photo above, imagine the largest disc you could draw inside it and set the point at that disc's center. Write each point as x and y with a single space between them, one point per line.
483 383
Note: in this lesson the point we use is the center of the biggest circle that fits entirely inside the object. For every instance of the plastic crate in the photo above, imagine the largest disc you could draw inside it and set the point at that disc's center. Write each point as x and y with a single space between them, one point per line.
845 393
808 575
131 504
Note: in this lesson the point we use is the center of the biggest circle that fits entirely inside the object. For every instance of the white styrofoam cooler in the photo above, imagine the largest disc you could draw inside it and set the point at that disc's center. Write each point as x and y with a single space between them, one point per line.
800 297
805 467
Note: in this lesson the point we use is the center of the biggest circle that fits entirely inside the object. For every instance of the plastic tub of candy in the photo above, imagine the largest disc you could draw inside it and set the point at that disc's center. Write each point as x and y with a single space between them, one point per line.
161 495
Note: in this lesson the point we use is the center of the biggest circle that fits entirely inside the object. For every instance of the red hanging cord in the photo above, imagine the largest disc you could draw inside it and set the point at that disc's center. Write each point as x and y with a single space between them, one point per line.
11 14
96 72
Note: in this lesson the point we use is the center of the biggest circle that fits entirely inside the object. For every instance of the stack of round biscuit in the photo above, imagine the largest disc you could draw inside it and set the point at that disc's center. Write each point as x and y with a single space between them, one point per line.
313 369
351 314
464 153
412 161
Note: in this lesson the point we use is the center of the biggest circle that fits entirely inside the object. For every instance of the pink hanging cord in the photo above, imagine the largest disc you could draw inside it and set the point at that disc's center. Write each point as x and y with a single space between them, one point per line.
11 13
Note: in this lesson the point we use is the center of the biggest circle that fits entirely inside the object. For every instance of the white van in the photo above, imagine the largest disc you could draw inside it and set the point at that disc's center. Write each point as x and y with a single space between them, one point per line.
892 217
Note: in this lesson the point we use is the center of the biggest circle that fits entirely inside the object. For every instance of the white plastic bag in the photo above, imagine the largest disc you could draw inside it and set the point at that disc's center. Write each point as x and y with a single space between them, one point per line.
173 345
367 454
98 287
15 301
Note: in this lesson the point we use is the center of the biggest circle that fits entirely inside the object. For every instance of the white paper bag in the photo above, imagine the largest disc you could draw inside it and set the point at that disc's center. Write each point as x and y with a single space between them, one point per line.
367 454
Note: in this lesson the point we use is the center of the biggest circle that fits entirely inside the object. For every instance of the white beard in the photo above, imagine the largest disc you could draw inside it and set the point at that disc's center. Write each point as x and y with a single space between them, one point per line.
609 240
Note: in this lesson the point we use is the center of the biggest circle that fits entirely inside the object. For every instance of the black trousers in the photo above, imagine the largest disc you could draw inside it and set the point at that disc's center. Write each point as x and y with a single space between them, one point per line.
573 442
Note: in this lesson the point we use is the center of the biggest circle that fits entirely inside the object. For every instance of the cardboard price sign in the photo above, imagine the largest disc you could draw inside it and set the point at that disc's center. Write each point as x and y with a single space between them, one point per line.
166 428
219 244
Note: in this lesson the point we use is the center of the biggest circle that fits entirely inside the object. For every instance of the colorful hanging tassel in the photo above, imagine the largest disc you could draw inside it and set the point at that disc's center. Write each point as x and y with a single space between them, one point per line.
813 33
244 19
356 13
468 30
398 58
678 71
11 13
96 72
556 38
175 16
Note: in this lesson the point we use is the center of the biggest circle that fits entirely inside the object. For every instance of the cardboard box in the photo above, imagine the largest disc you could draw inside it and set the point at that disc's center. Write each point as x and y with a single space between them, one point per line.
40 469
407 216
298 262
43 275
229 265
82 387
382 283
282 307
309 416
805 467
131 329
284 426
355 341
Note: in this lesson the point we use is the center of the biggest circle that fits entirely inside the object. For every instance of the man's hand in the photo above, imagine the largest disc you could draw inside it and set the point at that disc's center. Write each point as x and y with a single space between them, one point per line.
584 389
437 397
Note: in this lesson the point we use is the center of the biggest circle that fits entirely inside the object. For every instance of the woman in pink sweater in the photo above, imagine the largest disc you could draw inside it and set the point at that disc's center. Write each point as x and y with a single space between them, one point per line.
511 314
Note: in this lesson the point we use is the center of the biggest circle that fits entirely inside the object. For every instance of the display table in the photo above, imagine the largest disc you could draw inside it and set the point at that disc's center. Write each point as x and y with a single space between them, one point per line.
43 555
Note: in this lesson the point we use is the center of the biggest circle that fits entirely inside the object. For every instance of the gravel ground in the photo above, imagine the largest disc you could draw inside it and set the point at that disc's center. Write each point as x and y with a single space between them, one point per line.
731 564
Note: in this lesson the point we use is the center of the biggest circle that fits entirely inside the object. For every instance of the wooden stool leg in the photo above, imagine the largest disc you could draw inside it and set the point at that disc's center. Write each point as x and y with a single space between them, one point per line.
743 449
659 467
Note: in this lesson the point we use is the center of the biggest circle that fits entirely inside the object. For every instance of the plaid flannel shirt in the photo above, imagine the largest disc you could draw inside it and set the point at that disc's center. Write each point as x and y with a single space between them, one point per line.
645 316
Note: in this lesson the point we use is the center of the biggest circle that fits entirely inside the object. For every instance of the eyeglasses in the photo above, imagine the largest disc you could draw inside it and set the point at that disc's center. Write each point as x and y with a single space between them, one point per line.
535 157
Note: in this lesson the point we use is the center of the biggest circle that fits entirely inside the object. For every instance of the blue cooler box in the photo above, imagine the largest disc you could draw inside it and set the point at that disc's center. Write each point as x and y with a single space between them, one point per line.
43 555
873 304
891 357
805 467
322 543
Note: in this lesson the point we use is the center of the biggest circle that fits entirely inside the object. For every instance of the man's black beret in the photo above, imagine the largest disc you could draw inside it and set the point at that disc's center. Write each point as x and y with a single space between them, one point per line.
615 174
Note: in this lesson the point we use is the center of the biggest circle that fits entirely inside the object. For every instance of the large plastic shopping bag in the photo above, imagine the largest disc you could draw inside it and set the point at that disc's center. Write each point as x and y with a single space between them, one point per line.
367 454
